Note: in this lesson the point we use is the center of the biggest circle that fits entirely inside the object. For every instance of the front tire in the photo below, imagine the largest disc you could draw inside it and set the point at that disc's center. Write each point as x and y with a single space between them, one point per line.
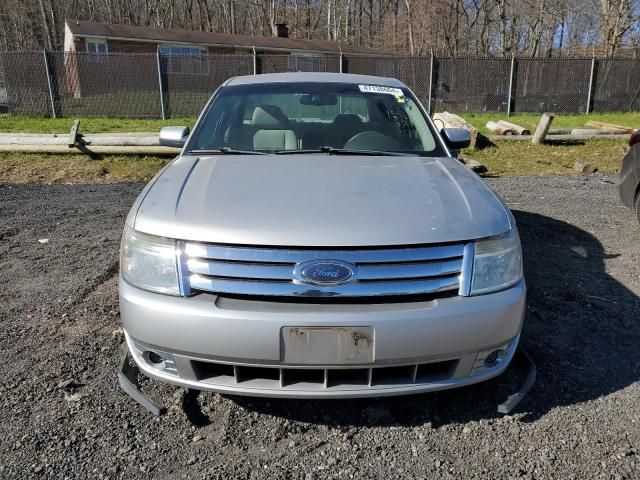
638 206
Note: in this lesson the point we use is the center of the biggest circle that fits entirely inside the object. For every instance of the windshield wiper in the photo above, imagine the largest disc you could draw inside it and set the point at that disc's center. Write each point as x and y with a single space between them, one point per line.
343 151
226 151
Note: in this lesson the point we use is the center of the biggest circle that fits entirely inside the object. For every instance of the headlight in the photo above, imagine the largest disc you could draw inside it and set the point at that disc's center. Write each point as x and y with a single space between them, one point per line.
497 263
149 262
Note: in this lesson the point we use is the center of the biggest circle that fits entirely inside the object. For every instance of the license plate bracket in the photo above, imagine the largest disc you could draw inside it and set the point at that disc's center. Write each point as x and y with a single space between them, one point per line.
327 345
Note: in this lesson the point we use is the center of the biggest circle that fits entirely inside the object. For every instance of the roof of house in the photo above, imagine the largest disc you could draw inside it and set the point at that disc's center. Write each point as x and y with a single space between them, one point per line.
134 33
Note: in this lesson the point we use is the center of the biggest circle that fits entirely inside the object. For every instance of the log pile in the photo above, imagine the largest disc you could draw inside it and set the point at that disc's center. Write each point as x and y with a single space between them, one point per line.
543 130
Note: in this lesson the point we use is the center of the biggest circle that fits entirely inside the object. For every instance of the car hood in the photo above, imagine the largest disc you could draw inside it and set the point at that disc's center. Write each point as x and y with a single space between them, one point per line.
320 200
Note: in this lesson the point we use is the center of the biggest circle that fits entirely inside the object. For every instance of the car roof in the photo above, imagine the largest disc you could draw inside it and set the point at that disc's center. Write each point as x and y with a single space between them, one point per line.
321 77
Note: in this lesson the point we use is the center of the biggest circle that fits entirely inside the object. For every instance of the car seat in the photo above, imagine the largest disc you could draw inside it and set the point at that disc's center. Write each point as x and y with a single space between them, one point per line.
272 129
345 126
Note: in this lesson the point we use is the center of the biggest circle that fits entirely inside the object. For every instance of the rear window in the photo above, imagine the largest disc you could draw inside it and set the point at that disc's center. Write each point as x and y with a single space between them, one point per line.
291 106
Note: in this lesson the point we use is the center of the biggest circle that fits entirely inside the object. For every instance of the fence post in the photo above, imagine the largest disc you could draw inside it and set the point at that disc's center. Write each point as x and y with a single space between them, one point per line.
509 98
430 84
593 68
255 61
160 86
49 83
340 59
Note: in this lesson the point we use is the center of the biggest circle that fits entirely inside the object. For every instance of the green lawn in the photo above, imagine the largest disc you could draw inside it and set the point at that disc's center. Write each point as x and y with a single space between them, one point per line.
530 120
505 158
10 123
510 157
15 124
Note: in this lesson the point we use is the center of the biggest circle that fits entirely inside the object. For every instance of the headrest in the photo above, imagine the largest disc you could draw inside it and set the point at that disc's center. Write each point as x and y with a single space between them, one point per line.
268 116
347 118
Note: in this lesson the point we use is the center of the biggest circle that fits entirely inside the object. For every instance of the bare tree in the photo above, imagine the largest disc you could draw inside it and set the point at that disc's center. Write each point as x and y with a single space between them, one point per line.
455 27
618 17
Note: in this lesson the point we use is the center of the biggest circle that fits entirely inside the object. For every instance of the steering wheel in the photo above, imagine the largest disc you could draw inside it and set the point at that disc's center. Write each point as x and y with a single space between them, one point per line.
371 140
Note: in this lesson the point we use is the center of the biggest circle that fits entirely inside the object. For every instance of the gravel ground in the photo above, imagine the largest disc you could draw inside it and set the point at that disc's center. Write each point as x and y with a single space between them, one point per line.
62 414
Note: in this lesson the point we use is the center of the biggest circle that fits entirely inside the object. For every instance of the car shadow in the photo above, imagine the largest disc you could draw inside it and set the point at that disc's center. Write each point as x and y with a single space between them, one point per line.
581 329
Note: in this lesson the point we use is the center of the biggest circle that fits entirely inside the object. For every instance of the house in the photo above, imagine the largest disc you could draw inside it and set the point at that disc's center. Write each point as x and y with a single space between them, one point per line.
103 38
102 57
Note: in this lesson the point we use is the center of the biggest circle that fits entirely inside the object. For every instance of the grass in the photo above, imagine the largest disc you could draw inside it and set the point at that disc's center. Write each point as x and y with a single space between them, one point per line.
67 168
14 124
530 120
509 157
17 124
505 158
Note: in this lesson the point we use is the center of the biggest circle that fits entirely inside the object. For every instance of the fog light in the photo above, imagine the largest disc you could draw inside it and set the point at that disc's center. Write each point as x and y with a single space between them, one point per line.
491 359
154 357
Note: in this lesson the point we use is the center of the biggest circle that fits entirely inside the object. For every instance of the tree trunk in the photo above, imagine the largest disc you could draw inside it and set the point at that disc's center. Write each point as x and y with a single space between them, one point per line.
412 47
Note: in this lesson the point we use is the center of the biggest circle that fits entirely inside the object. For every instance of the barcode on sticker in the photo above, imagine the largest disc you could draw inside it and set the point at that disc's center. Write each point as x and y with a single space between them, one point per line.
378 89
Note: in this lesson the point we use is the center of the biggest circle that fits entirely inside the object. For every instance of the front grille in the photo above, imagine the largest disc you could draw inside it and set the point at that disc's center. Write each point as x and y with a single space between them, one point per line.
322 378
270 272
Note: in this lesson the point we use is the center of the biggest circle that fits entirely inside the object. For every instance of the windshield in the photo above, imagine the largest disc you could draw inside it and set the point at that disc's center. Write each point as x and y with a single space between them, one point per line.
314 117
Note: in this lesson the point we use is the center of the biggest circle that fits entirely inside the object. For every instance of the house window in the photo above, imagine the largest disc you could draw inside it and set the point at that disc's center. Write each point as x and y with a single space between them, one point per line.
97 46
98 49
185 60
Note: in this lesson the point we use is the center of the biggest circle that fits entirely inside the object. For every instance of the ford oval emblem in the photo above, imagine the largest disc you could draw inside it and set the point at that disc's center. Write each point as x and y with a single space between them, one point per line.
324 272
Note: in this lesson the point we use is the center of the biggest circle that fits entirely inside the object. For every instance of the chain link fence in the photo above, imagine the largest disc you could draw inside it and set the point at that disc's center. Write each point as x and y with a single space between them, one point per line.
474 85
26 83
188 81
551 85
617 85
3 91
96 85
413 71
268 63
153 85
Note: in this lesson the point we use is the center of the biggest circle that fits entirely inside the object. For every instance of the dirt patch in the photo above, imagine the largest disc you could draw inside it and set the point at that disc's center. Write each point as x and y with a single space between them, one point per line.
63 415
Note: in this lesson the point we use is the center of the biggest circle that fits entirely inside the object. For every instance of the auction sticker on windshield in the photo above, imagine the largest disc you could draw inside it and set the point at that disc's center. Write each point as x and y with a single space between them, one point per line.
378 89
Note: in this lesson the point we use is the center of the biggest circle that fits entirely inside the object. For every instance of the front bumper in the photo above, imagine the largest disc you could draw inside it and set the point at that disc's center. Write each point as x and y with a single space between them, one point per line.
236 346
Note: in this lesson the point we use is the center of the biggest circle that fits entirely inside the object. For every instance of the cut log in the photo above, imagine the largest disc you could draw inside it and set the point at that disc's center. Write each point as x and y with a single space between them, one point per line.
517 129
581 132
73 136
499 129
556 138
95 139
450 120
559 131
543 128
609 126
107 150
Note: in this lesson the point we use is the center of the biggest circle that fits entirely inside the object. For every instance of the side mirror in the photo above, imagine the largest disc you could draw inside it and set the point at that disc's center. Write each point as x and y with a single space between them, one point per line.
174 136
456 138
